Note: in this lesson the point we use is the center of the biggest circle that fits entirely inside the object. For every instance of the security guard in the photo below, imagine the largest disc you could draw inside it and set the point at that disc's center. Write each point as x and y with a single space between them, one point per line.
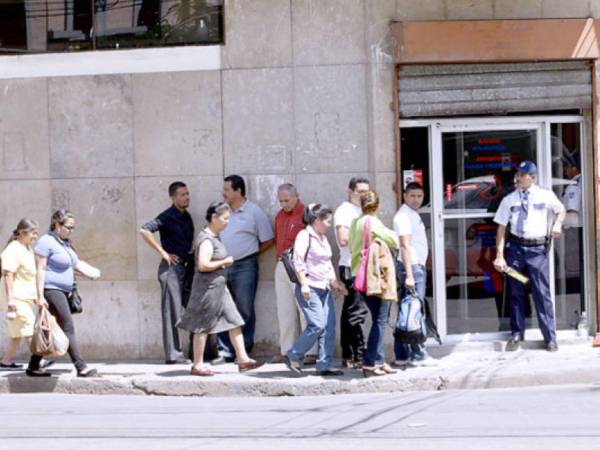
526 210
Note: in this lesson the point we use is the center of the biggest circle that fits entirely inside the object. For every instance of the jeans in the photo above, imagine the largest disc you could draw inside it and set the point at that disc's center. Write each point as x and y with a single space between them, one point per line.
414 352
290 317
59 307
320 328
242 281
354 314
380 310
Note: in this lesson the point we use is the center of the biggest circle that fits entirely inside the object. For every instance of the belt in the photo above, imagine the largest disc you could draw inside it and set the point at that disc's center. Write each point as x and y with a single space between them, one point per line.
528 242
253 255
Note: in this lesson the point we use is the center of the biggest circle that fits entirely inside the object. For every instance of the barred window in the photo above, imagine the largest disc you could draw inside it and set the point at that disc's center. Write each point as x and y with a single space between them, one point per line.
37 26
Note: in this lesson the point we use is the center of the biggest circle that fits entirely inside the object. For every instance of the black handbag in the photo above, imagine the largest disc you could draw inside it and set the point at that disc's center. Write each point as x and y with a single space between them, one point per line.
287 258
75 301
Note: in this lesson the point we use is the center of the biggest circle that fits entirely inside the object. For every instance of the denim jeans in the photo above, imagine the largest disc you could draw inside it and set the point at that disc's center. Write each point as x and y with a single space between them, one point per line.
374 354
415 352
320 328
242 281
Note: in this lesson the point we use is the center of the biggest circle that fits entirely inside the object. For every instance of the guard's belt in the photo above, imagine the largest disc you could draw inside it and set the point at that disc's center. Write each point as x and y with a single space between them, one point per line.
528 242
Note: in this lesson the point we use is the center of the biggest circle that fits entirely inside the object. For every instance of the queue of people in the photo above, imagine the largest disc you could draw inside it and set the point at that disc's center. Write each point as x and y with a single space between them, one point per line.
208 281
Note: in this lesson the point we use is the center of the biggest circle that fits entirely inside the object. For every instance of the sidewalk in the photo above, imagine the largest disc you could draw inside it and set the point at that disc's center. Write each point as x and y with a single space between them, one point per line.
477 365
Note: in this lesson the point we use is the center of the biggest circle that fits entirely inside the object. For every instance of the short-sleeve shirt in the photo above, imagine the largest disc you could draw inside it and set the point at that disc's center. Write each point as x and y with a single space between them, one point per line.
248 227
343 217
407 222
176 230
20 260
287 227
535 225
572 201
61 262
317 266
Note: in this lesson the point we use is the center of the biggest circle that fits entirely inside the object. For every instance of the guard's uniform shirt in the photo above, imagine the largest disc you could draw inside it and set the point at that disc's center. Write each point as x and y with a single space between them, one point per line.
527 212
572 201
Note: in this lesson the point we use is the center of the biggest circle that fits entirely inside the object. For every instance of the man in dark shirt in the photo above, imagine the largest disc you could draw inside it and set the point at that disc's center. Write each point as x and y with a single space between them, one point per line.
176 268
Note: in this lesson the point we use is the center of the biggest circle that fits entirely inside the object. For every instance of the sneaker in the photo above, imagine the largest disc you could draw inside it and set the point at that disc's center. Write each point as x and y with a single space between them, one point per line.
425 362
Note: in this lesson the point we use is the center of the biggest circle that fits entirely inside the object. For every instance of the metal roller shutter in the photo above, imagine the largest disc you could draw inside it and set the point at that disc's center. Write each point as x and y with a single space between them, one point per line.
472 89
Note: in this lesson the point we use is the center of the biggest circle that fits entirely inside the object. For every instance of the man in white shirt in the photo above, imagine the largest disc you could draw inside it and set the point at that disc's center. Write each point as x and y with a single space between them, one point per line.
526 211
354 310
410 267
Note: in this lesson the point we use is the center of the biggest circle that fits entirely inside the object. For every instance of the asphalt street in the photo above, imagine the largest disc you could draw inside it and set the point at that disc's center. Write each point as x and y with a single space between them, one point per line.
555 417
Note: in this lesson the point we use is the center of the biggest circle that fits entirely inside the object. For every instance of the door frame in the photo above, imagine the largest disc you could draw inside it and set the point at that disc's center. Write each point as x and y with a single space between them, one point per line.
542 125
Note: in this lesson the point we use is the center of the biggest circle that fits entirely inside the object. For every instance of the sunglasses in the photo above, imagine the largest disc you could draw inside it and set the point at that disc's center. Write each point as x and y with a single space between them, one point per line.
70 228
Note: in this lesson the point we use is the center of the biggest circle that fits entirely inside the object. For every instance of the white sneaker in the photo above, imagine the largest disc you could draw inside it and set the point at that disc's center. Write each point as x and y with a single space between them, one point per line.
400 363
426 362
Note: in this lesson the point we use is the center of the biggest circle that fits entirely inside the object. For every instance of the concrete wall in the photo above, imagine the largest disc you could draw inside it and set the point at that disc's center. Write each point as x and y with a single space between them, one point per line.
303 96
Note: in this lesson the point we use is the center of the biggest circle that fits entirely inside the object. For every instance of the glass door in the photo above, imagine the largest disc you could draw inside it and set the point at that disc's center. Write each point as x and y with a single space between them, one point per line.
474 168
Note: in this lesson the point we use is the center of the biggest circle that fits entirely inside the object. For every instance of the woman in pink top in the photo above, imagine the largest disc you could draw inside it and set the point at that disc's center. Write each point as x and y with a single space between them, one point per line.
316 280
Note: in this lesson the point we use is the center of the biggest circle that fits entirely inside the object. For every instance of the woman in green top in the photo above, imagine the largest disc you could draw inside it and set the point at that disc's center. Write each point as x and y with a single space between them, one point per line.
374 358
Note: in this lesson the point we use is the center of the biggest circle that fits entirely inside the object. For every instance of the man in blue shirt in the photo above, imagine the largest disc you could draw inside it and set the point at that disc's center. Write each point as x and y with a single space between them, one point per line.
176 268
248 234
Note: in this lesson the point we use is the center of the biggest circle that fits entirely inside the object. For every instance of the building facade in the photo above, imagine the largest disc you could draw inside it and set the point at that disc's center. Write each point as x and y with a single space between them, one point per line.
311 92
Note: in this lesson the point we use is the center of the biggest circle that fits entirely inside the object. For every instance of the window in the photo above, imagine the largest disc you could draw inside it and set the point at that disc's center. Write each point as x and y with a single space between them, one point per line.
34 26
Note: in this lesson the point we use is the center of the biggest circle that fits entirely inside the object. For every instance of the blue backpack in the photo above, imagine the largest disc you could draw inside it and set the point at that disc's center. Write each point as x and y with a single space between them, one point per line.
411 327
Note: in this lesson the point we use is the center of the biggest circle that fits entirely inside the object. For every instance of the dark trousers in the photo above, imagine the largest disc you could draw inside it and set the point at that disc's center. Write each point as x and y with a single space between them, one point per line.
380 311
352 321
174 290
531 261
59 307
242 281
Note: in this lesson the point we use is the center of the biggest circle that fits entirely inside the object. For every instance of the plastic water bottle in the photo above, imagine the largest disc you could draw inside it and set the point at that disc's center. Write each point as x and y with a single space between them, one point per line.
582 325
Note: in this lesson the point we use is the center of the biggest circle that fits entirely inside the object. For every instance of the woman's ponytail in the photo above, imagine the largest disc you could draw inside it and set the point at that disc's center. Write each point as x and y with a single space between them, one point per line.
24 226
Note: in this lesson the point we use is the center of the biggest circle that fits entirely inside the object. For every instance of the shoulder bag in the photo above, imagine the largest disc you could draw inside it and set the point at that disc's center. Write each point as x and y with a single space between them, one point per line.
287 258
360 281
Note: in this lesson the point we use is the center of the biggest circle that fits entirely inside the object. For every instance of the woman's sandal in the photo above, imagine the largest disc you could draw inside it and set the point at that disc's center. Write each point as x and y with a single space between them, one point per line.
373 372
387 368
203 372
249 365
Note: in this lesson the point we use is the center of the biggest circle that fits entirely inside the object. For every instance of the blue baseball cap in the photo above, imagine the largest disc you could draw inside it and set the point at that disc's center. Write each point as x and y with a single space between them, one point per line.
527 167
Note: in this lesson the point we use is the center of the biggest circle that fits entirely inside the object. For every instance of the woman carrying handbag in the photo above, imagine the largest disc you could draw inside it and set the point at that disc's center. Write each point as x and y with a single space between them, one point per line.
56 264
19 289
363 231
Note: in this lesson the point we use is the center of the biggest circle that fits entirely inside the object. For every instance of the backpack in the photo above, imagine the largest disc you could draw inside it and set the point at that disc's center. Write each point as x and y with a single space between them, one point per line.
411 328
287 258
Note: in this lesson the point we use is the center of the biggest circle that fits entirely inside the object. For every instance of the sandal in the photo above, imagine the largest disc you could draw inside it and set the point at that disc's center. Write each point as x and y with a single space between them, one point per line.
251 364
202 372
387 369
373 372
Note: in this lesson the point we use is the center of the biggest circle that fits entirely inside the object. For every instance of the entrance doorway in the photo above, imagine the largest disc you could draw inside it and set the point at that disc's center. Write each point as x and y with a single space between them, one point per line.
467 167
